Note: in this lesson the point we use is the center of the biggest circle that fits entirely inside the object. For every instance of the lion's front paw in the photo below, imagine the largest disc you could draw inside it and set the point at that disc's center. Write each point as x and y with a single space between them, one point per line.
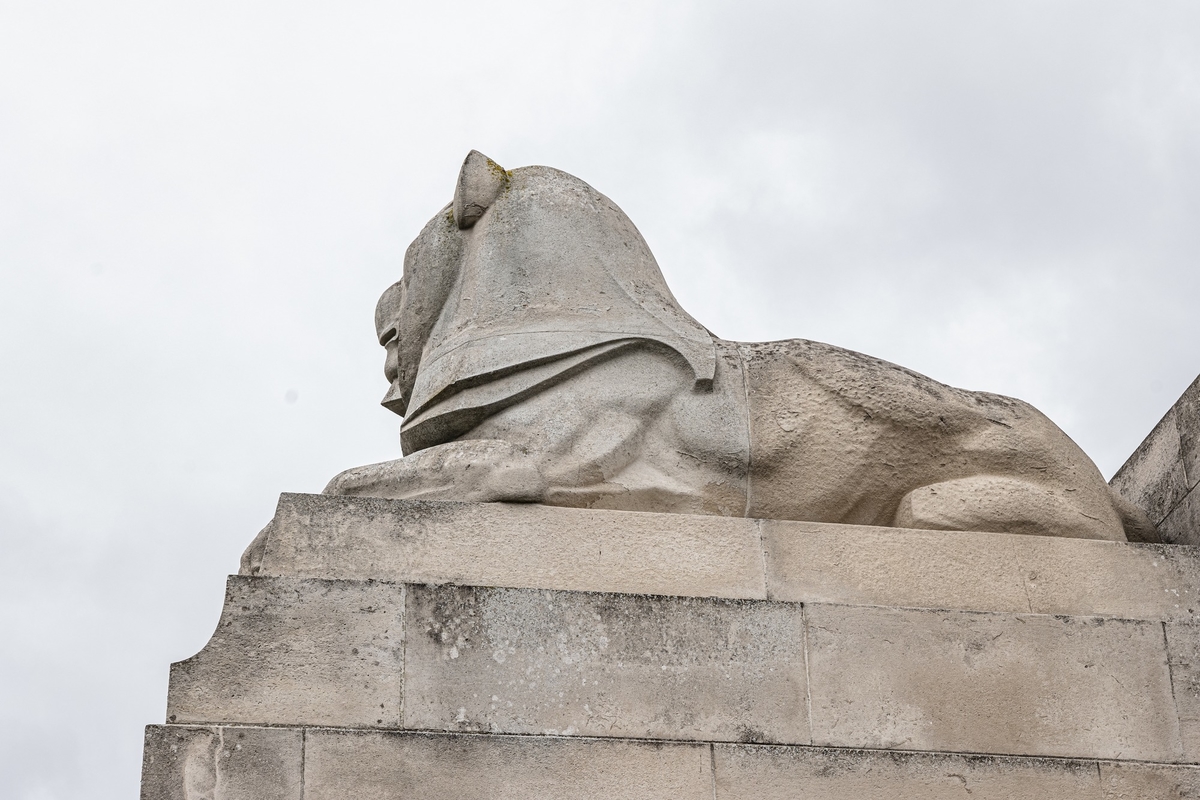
477 471
342 483
390 479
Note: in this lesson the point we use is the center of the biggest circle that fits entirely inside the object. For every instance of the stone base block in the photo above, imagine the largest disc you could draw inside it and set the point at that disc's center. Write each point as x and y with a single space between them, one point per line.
387 649
255 763
539 547
745 772
301 651
222 763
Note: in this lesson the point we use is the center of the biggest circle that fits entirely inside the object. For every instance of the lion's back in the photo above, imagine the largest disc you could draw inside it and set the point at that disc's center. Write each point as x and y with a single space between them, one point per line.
845 435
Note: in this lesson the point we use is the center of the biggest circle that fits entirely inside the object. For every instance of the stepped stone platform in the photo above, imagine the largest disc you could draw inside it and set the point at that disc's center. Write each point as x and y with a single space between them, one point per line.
394 649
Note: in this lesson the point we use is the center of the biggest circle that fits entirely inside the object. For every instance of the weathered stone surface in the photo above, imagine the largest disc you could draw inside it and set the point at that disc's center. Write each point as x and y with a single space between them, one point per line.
391 766
1187 419
248 763
1133 581
187 763
559 666
527 545
1131 781
522 661
313 652
1153 477
293 651
858 565
1162 474
748 772
855 564
1183 652
1183 524
530 546
990 683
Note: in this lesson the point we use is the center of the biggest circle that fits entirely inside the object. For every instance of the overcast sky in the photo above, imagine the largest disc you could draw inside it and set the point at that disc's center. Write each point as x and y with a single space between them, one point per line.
201 202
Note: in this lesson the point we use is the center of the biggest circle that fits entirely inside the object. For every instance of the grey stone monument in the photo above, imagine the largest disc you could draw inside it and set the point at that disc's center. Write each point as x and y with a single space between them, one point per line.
623 558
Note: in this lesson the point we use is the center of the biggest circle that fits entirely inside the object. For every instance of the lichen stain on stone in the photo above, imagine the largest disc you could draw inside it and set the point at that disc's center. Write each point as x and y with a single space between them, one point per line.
447 616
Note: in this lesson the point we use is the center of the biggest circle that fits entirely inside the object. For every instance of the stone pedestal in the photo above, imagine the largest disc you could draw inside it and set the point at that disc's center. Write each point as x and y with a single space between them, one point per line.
394 649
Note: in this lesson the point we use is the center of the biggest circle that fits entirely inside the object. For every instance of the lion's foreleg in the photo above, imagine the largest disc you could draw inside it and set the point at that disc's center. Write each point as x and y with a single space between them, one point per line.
474 470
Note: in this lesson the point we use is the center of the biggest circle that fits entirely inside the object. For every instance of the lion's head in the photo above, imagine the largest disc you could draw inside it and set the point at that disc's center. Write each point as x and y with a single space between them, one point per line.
525 269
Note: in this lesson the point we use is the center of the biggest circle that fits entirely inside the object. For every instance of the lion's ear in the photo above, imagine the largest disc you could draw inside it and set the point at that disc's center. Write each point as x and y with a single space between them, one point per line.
480 182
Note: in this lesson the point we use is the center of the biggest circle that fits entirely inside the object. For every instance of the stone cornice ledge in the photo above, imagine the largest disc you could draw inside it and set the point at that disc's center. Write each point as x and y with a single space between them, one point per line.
543 547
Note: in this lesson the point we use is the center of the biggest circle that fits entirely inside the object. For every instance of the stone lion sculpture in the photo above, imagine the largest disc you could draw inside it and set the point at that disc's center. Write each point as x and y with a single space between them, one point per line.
537 355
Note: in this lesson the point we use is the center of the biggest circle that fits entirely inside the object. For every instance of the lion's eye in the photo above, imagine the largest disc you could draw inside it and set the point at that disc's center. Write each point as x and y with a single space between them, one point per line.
388 335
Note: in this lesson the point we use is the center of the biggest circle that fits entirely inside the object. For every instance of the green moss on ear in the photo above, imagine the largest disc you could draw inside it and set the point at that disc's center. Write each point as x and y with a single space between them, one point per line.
500 172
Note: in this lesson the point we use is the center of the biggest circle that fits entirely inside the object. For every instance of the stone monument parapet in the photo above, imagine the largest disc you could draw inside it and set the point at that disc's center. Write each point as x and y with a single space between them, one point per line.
1162 474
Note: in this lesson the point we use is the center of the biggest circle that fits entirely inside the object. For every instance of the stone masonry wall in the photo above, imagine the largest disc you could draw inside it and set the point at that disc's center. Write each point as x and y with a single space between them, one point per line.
1162 474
